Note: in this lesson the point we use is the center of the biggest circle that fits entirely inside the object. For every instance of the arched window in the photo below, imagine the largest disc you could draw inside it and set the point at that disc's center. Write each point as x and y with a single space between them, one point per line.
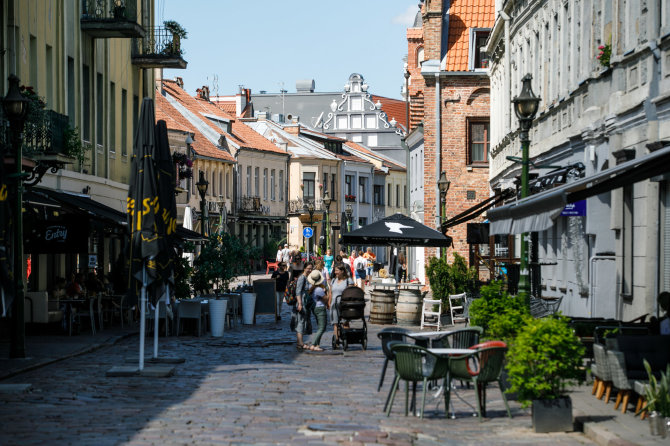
419 56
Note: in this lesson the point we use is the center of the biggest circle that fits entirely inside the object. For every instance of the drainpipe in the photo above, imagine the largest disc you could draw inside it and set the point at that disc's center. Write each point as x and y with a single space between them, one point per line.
438 146
508 71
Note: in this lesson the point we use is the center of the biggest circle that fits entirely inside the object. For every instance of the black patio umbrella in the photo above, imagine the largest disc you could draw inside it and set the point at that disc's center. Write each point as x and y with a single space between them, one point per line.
144 223
396 230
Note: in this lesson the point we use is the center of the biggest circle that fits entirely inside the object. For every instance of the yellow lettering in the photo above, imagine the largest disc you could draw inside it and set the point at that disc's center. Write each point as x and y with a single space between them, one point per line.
3 192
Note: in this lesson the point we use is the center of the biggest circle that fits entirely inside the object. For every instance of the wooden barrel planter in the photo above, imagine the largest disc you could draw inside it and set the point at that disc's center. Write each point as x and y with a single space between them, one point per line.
408 310
382 307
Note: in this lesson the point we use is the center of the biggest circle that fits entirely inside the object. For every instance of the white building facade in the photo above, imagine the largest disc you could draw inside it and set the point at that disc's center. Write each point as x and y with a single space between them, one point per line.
611 257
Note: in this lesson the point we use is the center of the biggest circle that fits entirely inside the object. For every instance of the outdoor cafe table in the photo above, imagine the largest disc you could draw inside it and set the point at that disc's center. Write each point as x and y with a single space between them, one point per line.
451 351
71 303
425 338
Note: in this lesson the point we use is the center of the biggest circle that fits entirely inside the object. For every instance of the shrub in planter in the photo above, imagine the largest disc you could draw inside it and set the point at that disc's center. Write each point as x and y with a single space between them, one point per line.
446 278
545 357
498 313
657 393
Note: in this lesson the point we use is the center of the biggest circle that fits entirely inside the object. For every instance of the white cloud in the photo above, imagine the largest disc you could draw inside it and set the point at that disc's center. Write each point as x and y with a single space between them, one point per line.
407 17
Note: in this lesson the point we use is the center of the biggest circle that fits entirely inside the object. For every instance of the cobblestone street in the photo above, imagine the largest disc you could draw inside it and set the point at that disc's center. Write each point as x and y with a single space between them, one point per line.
249 387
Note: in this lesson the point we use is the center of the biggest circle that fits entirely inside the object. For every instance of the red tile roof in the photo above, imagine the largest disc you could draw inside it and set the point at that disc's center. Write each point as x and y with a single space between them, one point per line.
465 14
394 109
227 106
176 121
242 134
385 163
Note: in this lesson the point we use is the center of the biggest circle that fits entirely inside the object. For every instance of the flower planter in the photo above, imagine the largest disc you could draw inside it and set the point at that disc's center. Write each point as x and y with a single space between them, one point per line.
552 415
248 308
217 316
658 424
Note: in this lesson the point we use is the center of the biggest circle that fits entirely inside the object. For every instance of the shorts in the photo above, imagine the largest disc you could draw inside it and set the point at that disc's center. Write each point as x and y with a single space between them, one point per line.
369 270
360 274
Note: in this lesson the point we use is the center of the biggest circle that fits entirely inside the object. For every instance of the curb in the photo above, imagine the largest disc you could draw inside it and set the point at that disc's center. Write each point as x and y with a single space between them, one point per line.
89 349
598 434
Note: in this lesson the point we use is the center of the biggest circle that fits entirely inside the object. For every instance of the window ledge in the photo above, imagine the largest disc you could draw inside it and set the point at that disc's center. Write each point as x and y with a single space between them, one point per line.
478 165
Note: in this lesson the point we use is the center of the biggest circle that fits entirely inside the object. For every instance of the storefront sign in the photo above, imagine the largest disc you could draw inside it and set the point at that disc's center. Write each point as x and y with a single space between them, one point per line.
576 209
69 235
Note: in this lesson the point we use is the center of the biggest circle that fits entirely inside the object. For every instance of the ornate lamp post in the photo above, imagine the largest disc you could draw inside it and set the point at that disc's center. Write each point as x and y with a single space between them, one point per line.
525 107
202 186
309 208
326 202
16 107
443 186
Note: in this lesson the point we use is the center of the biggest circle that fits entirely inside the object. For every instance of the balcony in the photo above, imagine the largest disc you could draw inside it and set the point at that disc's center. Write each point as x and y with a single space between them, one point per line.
250 205
47 140
350 198
161 48
297 207
110 19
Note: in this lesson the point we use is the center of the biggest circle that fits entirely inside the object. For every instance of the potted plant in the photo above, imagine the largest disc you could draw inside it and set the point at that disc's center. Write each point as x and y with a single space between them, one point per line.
178 33
446 278
657 394
544 358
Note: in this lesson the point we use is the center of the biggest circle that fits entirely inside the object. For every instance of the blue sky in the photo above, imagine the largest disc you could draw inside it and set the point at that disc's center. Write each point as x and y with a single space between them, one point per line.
264 43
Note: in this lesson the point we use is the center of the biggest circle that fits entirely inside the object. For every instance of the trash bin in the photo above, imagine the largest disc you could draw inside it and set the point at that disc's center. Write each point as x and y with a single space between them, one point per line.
217 316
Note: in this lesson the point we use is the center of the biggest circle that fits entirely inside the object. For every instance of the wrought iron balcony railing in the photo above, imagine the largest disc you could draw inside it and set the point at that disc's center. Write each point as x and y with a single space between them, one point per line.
249 204
298 206
110 18
160 48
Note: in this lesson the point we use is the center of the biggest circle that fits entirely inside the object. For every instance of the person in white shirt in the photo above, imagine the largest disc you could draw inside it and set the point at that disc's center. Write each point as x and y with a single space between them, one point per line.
360 268
286 254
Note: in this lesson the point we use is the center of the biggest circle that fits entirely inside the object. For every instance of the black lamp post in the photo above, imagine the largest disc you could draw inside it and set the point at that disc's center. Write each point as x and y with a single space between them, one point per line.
15 106
326 202
309 208
202 186
525 107
443 186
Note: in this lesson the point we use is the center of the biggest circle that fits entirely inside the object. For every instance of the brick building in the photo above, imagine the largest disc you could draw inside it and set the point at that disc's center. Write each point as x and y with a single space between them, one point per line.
449 93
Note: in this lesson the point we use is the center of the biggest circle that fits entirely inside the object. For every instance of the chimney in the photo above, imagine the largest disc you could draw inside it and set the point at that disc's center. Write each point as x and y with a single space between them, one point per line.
179 81
241 100
203 93
293 129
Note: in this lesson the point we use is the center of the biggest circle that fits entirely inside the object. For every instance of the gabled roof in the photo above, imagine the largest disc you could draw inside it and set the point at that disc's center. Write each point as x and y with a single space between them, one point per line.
242 135
385 161
176 121
394 109
469 14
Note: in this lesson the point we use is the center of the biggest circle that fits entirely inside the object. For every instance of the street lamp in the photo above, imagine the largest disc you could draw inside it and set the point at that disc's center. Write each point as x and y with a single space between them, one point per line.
309 208
349 211
202 186
326 202
15 106
443 186
525 107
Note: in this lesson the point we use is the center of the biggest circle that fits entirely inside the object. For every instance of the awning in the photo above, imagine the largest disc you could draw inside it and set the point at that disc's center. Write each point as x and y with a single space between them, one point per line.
537 212
86 205
477 209
188 235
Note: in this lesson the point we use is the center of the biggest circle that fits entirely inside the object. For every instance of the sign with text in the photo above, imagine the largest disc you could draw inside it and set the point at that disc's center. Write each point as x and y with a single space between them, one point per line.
68 235
576 209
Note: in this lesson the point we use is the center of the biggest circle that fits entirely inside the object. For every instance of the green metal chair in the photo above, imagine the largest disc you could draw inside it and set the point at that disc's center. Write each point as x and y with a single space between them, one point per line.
414 363
463 338
481 367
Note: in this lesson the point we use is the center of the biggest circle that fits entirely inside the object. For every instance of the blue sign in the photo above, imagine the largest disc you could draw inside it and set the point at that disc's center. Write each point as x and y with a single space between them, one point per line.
576 209
307 232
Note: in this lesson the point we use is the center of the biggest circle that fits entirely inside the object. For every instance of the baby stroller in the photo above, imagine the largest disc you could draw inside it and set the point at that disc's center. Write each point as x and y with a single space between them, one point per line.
350 308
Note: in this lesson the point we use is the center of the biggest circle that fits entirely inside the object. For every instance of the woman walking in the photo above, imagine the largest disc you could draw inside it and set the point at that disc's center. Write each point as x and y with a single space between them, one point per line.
303 308
337 285
328 260
320 298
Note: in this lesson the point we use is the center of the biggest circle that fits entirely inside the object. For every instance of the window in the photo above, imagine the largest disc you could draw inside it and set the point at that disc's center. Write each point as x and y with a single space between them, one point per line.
357 138
249 192
265 184
362 189
628 265
273 186
372 140
50 79
257 181
136 112
342 122
86 99
397 195
308 186
220 184
333 188
370 122
357 104
281 185
404 188
388 195
349 186
99 89
379 195
362 221
112 117
478 58
212 186
478 141
419 56
325 182
356 122
71 105
124 122
227 184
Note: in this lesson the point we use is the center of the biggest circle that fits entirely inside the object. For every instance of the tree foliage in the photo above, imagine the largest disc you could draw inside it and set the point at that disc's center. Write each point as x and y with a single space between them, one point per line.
446 278
498 313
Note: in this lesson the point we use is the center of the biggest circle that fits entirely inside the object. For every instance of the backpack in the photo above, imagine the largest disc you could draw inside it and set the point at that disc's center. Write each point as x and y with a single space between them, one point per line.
289 294
361 265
